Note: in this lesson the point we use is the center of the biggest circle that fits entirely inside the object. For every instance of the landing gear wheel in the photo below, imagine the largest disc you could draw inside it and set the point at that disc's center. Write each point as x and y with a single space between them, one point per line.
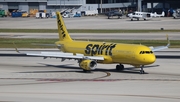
119 67
137 19
122 67
131 19
142 72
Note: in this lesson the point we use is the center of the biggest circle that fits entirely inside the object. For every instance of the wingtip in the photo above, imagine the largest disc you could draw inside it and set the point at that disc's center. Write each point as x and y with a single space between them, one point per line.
16 48
168 40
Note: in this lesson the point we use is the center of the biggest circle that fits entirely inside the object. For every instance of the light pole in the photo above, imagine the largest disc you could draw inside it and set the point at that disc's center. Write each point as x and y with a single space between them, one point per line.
64 4
56 5
139 5
101 6
59 4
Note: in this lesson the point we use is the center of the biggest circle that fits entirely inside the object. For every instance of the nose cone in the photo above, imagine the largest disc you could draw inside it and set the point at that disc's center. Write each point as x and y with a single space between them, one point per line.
151 59
147 59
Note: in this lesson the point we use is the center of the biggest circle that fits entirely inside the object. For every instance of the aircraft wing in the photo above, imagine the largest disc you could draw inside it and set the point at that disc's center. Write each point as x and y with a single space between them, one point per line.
61 55
65 55
158 48
53 45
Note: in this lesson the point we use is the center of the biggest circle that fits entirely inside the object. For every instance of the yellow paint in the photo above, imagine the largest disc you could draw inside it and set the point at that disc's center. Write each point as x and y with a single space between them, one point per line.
132 54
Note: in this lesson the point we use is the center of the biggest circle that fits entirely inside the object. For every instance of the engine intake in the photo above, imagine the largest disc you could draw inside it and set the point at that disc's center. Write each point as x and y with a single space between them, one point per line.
88 64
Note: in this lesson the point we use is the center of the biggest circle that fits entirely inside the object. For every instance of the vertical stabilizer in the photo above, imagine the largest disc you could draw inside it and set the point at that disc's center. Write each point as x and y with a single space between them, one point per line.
63 33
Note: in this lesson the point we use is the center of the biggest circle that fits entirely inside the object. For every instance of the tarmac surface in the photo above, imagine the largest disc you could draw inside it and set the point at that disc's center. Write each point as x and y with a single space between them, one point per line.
34 79
30 79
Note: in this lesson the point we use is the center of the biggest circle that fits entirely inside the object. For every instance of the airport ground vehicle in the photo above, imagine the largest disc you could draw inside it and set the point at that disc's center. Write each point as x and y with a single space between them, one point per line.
19 13
25 14
114 13
42 14
3 13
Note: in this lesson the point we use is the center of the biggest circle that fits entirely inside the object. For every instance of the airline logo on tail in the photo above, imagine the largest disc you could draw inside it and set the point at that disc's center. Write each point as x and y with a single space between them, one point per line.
61 26
63 33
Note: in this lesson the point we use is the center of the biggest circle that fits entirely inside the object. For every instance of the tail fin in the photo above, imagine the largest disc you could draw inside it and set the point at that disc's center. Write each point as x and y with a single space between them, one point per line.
163 14
63 33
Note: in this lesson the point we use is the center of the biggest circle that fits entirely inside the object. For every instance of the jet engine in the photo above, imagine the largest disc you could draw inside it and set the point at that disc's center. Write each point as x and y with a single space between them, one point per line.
88 64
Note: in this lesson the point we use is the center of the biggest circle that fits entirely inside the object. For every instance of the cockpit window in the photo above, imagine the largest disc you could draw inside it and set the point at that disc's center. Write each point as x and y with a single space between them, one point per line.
145 52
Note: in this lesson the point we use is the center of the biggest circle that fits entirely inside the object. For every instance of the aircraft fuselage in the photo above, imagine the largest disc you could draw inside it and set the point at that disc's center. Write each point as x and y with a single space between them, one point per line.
112 52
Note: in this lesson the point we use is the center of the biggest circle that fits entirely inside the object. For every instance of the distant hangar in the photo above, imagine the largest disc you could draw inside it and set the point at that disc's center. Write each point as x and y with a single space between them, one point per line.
84 5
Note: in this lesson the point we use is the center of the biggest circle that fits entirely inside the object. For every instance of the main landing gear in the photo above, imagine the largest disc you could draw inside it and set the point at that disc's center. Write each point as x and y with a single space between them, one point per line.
119 67
86 71
142 70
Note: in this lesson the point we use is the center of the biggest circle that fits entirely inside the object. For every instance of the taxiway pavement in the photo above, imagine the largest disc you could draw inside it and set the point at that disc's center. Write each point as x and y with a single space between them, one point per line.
100 22
34 79
119 36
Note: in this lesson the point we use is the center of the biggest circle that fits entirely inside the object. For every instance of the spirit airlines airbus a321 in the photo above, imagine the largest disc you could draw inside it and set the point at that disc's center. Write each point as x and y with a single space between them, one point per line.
89 53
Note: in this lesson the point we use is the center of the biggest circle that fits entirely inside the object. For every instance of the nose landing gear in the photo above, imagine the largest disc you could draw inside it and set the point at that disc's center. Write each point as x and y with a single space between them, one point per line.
142 70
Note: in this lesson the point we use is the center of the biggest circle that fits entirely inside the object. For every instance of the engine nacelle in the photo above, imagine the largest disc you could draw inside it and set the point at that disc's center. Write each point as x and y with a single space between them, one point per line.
88 64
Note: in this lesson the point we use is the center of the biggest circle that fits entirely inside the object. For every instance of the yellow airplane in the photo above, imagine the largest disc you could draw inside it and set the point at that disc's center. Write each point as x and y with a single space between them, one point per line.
89 53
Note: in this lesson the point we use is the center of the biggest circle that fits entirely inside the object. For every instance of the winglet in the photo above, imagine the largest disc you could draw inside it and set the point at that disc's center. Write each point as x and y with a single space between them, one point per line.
168 41
16 48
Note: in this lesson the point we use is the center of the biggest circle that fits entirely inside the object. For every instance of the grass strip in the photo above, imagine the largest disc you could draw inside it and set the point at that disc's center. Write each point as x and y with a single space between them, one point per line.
85 31
27 43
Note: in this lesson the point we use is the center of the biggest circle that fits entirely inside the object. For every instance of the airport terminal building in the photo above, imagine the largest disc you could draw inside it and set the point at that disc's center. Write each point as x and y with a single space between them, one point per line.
84 5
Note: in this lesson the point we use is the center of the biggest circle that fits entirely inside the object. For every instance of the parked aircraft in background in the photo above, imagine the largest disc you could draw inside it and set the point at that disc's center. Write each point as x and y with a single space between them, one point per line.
114 13
89 53
176 14
144 15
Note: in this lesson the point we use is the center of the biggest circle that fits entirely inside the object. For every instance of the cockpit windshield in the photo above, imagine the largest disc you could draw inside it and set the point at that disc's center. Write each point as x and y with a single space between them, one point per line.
145 52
